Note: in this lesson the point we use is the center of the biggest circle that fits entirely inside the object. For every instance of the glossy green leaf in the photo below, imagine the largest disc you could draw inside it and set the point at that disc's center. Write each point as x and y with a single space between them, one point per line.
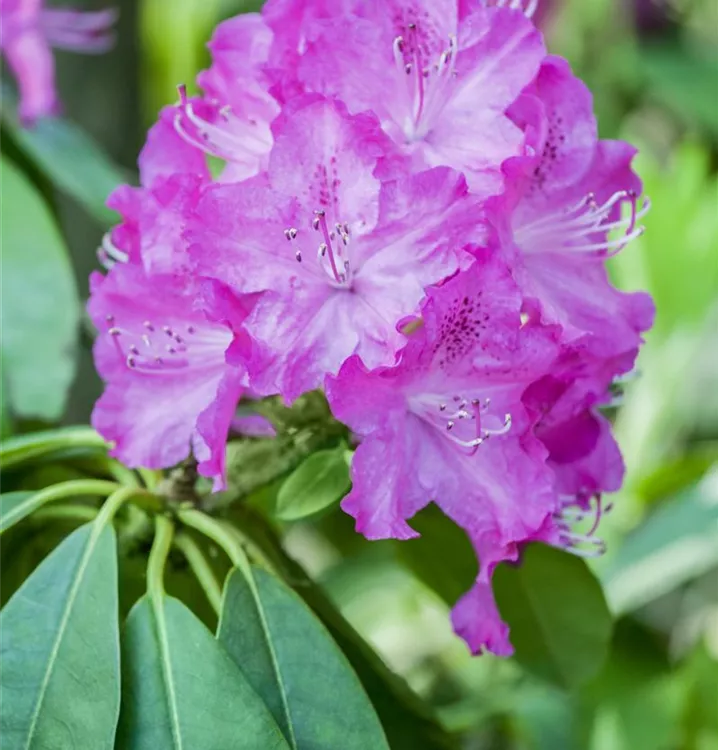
320 481
180 689
59 639
408 722
675 544
560 624
69 158
441 557
48 443
40 308
294 664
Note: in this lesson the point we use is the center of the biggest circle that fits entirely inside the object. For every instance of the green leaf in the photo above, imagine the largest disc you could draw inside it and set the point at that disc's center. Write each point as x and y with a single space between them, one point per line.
408 722
59 639
69 157
320 481
683 80
442 557
560 624
675 544
639 687
294 664
40 308
49 443
181 690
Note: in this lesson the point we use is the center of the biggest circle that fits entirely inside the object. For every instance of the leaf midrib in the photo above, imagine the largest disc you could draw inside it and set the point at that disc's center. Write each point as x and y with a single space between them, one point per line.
74 589
157 604
275 662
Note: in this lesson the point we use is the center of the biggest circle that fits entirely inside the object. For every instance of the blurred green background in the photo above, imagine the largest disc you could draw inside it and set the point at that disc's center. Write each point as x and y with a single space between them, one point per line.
653 68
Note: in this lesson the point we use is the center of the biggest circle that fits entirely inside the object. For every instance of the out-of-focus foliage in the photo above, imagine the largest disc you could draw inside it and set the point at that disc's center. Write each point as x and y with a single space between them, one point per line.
650 684
40 308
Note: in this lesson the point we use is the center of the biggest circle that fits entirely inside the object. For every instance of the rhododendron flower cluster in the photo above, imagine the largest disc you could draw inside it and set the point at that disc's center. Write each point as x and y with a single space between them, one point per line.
28 30
407 205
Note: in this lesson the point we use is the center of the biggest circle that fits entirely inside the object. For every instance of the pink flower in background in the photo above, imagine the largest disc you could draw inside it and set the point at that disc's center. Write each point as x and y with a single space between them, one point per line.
162 350
27 33
447 425
340 241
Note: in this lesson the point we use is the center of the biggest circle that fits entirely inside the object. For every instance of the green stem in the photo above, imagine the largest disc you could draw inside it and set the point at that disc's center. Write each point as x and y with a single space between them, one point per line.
150 477
73 488
201 568
113 503
82 513
216 531
254 551
164 531
123 475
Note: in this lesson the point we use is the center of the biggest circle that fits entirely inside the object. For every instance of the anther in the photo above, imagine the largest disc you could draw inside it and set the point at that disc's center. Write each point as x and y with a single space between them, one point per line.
114 331
298 256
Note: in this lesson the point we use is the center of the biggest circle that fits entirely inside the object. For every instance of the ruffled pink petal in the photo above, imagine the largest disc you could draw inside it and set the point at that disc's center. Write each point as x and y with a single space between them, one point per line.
154 222
499 53
574 291
166 153
598 465
381 498
565 141
327 159
163 362
311 330
213 425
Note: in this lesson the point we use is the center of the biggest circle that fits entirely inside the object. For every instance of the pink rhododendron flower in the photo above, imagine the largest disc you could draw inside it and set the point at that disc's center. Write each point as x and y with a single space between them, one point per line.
154 215
447 424
28 31
413 210
582 452
162 349
561 212
438 74
340 252
232 120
